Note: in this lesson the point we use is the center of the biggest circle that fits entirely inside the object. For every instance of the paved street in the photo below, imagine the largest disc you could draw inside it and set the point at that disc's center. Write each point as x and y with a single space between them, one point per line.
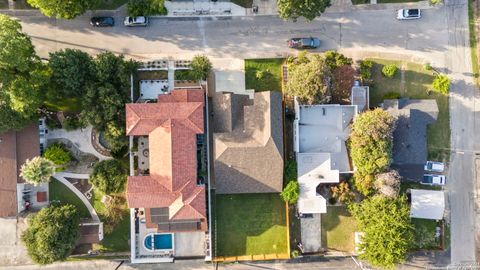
440 38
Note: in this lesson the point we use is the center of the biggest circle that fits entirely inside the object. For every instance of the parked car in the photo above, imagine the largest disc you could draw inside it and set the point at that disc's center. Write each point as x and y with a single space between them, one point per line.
409 14
136 21
303 43
433 180
434 166
102 21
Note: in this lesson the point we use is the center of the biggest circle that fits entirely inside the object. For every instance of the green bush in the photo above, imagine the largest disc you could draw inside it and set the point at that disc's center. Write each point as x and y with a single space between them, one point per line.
109 176
146 8
58 154
389 70
334 59
201 67
392 95
366 70
427 66
290 171
291 192
441 84
72 123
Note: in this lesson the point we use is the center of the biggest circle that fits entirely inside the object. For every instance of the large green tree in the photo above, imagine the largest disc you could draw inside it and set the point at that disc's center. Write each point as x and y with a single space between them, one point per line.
388 231
63 9
109 176
309 9
72 72
22 76
52 233
37 170
201 66
309 79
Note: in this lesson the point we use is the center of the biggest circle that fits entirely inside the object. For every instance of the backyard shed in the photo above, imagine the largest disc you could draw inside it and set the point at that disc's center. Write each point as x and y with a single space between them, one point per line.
427 204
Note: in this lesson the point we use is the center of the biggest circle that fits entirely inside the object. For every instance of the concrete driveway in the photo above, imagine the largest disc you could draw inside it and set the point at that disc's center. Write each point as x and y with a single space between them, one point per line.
12 251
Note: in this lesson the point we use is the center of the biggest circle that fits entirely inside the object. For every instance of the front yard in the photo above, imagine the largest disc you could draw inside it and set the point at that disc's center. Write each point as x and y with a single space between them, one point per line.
264 74
415 83
251 224
338 229
59 192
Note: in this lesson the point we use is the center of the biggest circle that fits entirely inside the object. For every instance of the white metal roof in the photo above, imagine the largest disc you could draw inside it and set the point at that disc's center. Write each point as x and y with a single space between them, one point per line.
427 204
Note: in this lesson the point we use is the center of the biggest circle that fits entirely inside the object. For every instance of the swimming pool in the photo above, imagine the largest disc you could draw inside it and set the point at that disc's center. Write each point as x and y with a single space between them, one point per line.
158 241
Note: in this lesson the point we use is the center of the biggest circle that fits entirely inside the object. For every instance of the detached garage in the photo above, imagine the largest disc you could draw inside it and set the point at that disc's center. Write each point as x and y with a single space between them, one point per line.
427 204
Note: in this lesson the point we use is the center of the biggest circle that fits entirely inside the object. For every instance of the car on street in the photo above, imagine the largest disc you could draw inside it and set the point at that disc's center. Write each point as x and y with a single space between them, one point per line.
434 166
304 43
136 21
433 180
102 21
409 14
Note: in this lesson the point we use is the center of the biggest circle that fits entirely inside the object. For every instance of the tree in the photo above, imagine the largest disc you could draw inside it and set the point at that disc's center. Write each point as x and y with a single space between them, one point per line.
334 59
343 79
52 233
37 170
371 141
310 81
441 84
388 183
291 192
342 192
22 77
389 70
309 9
146 7
109 176
62 9
72 72
388 232
366 70
58 154
201 67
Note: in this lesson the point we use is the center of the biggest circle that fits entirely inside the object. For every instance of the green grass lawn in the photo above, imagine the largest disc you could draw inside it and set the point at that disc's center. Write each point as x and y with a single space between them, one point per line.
183 75
424 233
415 185
473 40
110 4
272 69
64 105
338 229
417 81
60 192
250 224
117 240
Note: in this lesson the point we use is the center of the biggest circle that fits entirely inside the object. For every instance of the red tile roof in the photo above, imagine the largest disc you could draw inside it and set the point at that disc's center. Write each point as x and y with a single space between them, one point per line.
171 124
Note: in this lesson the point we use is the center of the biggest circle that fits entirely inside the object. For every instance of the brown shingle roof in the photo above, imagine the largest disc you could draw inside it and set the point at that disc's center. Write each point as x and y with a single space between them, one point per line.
249 158
171 124
15 148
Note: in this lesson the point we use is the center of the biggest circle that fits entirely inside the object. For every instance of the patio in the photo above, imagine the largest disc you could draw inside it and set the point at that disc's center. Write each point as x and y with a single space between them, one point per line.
150 89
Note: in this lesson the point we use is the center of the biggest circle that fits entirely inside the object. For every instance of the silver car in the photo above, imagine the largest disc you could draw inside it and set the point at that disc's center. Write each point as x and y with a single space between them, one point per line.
136 21
409 14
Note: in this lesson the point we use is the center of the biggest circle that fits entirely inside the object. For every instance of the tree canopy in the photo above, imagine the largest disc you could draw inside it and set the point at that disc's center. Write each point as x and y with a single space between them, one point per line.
201 66
37 170
291 192
309 9
441 84
388 232
22 77
52 233
309 79
109 176
72 72
62 9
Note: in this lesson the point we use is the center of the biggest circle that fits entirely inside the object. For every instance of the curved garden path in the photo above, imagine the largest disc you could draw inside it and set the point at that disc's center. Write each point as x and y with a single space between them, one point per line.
60 176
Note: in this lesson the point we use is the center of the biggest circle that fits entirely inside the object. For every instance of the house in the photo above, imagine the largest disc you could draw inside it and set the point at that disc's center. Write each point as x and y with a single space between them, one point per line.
16 195
427 204
167 202
410 135
247 143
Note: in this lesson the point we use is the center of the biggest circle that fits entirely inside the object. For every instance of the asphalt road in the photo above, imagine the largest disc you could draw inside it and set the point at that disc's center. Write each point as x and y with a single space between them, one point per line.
440 38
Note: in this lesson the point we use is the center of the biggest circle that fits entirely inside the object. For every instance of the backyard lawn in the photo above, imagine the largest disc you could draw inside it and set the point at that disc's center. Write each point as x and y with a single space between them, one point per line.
250 224
415 83
338 229
60 192
264 74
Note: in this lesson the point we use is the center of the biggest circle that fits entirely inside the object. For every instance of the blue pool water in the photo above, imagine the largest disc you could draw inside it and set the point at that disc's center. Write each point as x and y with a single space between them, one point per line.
158 241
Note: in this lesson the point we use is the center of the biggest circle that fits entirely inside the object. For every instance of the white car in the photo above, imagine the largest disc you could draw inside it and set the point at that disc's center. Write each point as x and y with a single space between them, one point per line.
433 180
136 21
409 14
433 166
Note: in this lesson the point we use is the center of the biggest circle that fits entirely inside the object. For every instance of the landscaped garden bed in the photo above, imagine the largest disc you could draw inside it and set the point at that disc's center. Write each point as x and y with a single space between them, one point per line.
264 74
251 226
415 84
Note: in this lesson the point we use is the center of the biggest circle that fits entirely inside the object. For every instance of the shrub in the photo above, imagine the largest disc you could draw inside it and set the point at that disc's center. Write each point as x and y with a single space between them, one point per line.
109 176
201 67
263 74
342 192
335 59
291 192
332 201
366 70
392 95
427 66
37 170
52 233
58 154
364 183
295 253
441 84
389 70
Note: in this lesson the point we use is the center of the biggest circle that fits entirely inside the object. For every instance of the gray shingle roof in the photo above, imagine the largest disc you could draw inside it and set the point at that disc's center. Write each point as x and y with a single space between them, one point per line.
248 143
